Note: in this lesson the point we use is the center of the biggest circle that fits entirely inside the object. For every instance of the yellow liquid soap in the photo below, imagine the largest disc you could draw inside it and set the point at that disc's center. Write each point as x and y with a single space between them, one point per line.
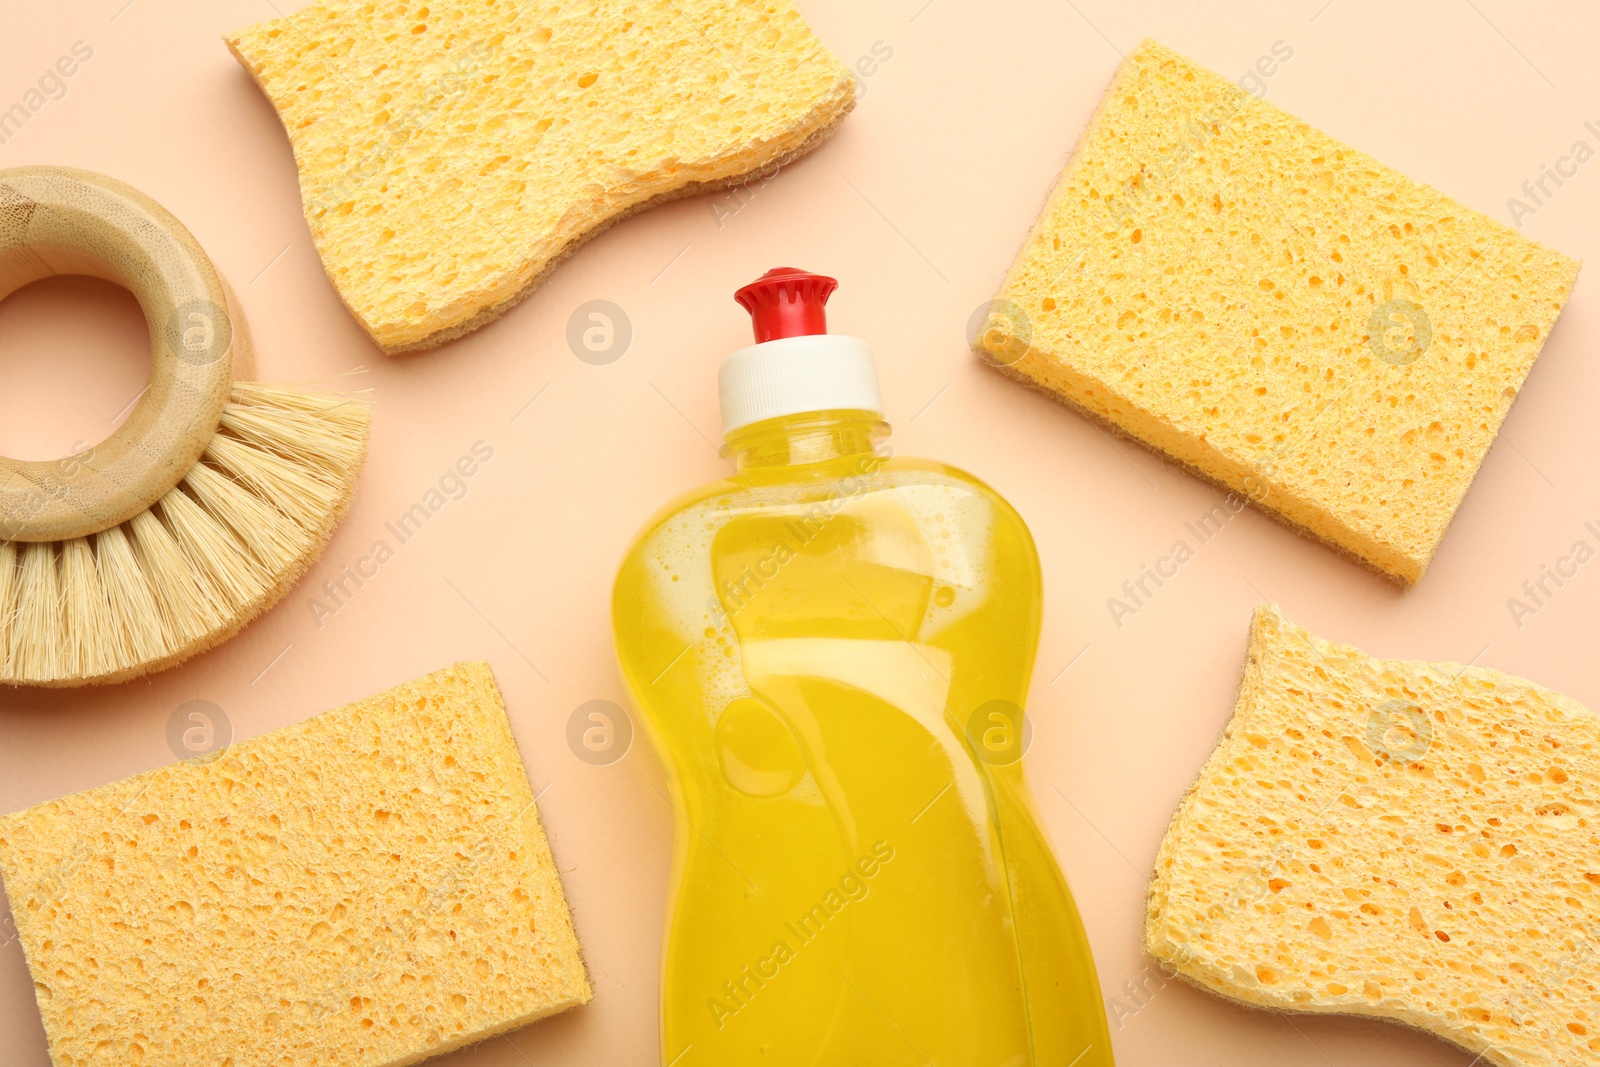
831 650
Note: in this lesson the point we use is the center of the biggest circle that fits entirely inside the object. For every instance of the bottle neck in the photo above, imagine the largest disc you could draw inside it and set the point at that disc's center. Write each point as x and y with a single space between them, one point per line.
818 441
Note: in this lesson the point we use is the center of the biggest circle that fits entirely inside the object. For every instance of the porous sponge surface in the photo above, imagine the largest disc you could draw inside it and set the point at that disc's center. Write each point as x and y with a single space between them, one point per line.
450 151
1278 311
369 887
1412 841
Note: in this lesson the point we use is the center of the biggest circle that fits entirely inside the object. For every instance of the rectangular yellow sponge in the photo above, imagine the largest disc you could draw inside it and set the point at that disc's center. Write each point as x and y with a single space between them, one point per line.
370 887
1279 312
1403 840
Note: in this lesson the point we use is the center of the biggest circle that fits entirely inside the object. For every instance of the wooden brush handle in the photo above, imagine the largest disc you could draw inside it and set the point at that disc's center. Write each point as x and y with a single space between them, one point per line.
59 221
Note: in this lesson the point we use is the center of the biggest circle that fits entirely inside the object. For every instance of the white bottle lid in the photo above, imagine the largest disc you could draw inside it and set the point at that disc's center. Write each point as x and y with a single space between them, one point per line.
796 365
788 375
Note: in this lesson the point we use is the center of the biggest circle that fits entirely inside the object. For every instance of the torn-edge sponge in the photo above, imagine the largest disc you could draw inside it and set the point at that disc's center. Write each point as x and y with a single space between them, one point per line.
368 888
451 153
1411 841
1278 312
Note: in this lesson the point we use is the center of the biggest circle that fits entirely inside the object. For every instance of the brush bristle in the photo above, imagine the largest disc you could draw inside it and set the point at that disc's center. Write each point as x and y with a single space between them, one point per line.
8 599
220 547
325 433
134 612
223 564
36 637
267 531
278 481
186 609
92 643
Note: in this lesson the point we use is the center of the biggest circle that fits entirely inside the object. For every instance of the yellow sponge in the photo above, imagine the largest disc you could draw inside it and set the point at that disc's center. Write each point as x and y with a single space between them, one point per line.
1277 311
368 888
451 152
1411 841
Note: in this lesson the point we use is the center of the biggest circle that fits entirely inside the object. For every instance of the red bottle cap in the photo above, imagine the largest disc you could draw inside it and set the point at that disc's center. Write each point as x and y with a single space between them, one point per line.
786 302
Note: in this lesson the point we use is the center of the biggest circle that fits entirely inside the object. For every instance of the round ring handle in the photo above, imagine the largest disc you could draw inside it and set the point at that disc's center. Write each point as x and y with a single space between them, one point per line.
54 220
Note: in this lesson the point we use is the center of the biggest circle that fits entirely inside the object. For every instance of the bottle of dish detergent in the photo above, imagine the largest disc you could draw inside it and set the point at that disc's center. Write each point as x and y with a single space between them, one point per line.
831 650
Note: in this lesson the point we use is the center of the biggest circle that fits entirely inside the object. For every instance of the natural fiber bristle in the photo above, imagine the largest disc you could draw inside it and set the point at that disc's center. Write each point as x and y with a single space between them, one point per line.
281 482
218 549
268 533
223 563
134 613
36 638
8 595
92 642
186 610
327 433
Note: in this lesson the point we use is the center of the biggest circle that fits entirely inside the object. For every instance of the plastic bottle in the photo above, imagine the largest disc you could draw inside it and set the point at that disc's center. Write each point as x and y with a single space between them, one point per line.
831 650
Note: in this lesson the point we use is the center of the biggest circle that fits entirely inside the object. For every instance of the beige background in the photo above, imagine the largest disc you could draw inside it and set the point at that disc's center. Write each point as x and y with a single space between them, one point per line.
917 205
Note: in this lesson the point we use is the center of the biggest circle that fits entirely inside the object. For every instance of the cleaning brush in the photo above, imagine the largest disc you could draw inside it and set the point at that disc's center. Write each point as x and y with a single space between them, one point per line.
204 506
